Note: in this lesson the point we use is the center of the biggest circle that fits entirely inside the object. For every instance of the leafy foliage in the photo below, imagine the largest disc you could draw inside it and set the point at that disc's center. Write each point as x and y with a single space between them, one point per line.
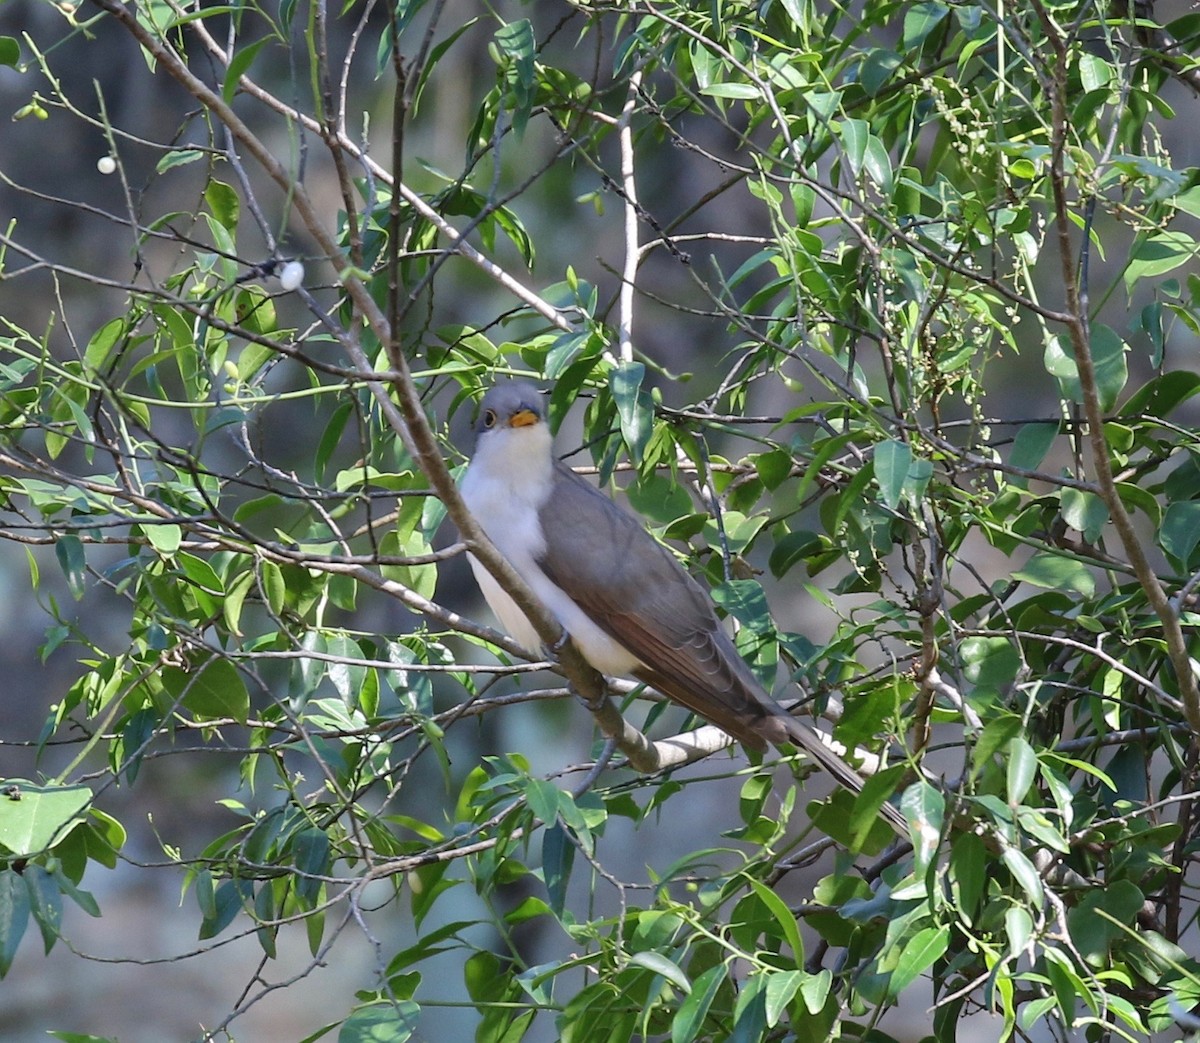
936 267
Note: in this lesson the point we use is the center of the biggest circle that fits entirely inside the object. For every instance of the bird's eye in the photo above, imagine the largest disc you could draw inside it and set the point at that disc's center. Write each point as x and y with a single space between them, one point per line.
489 418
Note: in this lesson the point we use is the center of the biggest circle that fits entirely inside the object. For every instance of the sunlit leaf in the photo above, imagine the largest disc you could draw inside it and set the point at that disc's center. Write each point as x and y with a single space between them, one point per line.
1058 572
892 461
1108 360
33 817
215 690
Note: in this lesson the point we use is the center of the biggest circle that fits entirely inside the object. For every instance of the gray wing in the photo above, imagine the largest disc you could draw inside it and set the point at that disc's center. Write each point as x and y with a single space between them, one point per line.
637 593
644 600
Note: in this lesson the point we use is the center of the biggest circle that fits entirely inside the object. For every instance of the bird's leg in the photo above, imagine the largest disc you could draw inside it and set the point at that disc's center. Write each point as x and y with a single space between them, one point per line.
551 652
593 703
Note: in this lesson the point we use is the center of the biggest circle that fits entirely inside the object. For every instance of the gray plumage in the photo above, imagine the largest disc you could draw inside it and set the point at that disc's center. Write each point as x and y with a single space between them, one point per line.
624 599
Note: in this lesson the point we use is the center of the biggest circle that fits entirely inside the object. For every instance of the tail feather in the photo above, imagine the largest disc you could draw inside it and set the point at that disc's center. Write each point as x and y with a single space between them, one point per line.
783 727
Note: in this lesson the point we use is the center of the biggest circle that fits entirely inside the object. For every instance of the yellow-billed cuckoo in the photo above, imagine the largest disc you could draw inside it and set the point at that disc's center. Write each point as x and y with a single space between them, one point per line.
622 597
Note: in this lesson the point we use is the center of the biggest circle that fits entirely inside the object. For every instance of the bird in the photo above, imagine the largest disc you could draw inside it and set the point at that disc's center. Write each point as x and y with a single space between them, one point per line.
623 598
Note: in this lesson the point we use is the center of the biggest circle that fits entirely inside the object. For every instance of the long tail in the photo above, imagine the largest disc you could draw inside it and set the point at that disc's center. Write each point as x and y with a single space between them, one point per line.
819 752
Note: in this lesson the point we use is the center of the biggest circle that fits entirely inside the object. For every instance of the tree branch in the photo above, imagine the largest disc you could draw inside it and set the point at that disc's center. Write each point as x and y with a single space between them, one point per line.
406 416
1079 332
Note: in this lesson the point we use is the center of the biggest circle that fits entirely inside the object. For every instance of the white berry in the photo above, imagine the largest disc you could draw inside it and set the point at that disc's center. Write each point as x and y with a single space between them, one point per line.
106 164
292 276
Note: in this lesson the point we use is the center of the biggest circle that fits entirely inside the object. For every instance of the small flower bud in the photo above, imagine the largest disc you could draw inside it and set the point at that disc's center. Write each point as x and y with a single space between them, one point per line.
106 164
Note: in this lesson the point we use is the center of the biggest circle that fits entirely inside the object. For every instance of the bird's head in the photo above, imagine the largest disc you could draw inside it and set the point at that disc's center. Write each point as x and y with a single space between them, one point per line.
512 405
512 420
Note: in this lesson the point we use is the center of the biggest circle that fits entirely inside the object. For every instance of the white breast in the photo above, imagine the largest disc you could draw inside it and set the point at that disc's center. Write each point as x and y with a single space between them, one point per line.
507 484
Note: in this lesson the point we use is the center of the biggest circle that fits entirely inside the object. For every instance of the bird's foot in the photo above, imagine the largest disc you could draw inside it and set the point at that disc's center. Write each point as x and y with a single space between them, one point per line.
560 644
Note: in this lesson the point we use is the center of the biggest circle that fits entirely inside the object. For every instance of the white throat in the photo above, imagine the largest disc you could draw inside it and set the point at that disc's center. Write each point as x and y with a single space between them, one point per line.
508 482
511 466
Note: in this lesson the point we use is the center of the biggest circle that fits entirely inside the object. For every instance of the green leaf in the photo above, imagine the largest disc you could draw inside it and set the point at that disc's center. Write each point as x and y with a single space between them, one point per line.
892 461
516 42
274 586
814 991
14 916
783 916
68 548
1092 932
429 945
792 548
878 165
1063 982
782 986
235 598
428 66
482 973
102 343
920 953
381 1023
1094 72
81 1037
1043 829
1018 925
1160 396
1085 512
310 855
10 51
854 134
178 158
67 412
968 873
656 497
1180 530
543 799
106 831
239 65
746 601
32 818
565 350
657 963
1025 874
919 21
1108 362
750 1012
165 539
1022 767
346 675
868 827
204 579
773 467
214 691
925 809
254 311
1108 359
265 912
558 855
227 903
224 204
755 791
990 662
1047 569
1030 447
633 407
735 91
689 1019
45 902
1157 255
